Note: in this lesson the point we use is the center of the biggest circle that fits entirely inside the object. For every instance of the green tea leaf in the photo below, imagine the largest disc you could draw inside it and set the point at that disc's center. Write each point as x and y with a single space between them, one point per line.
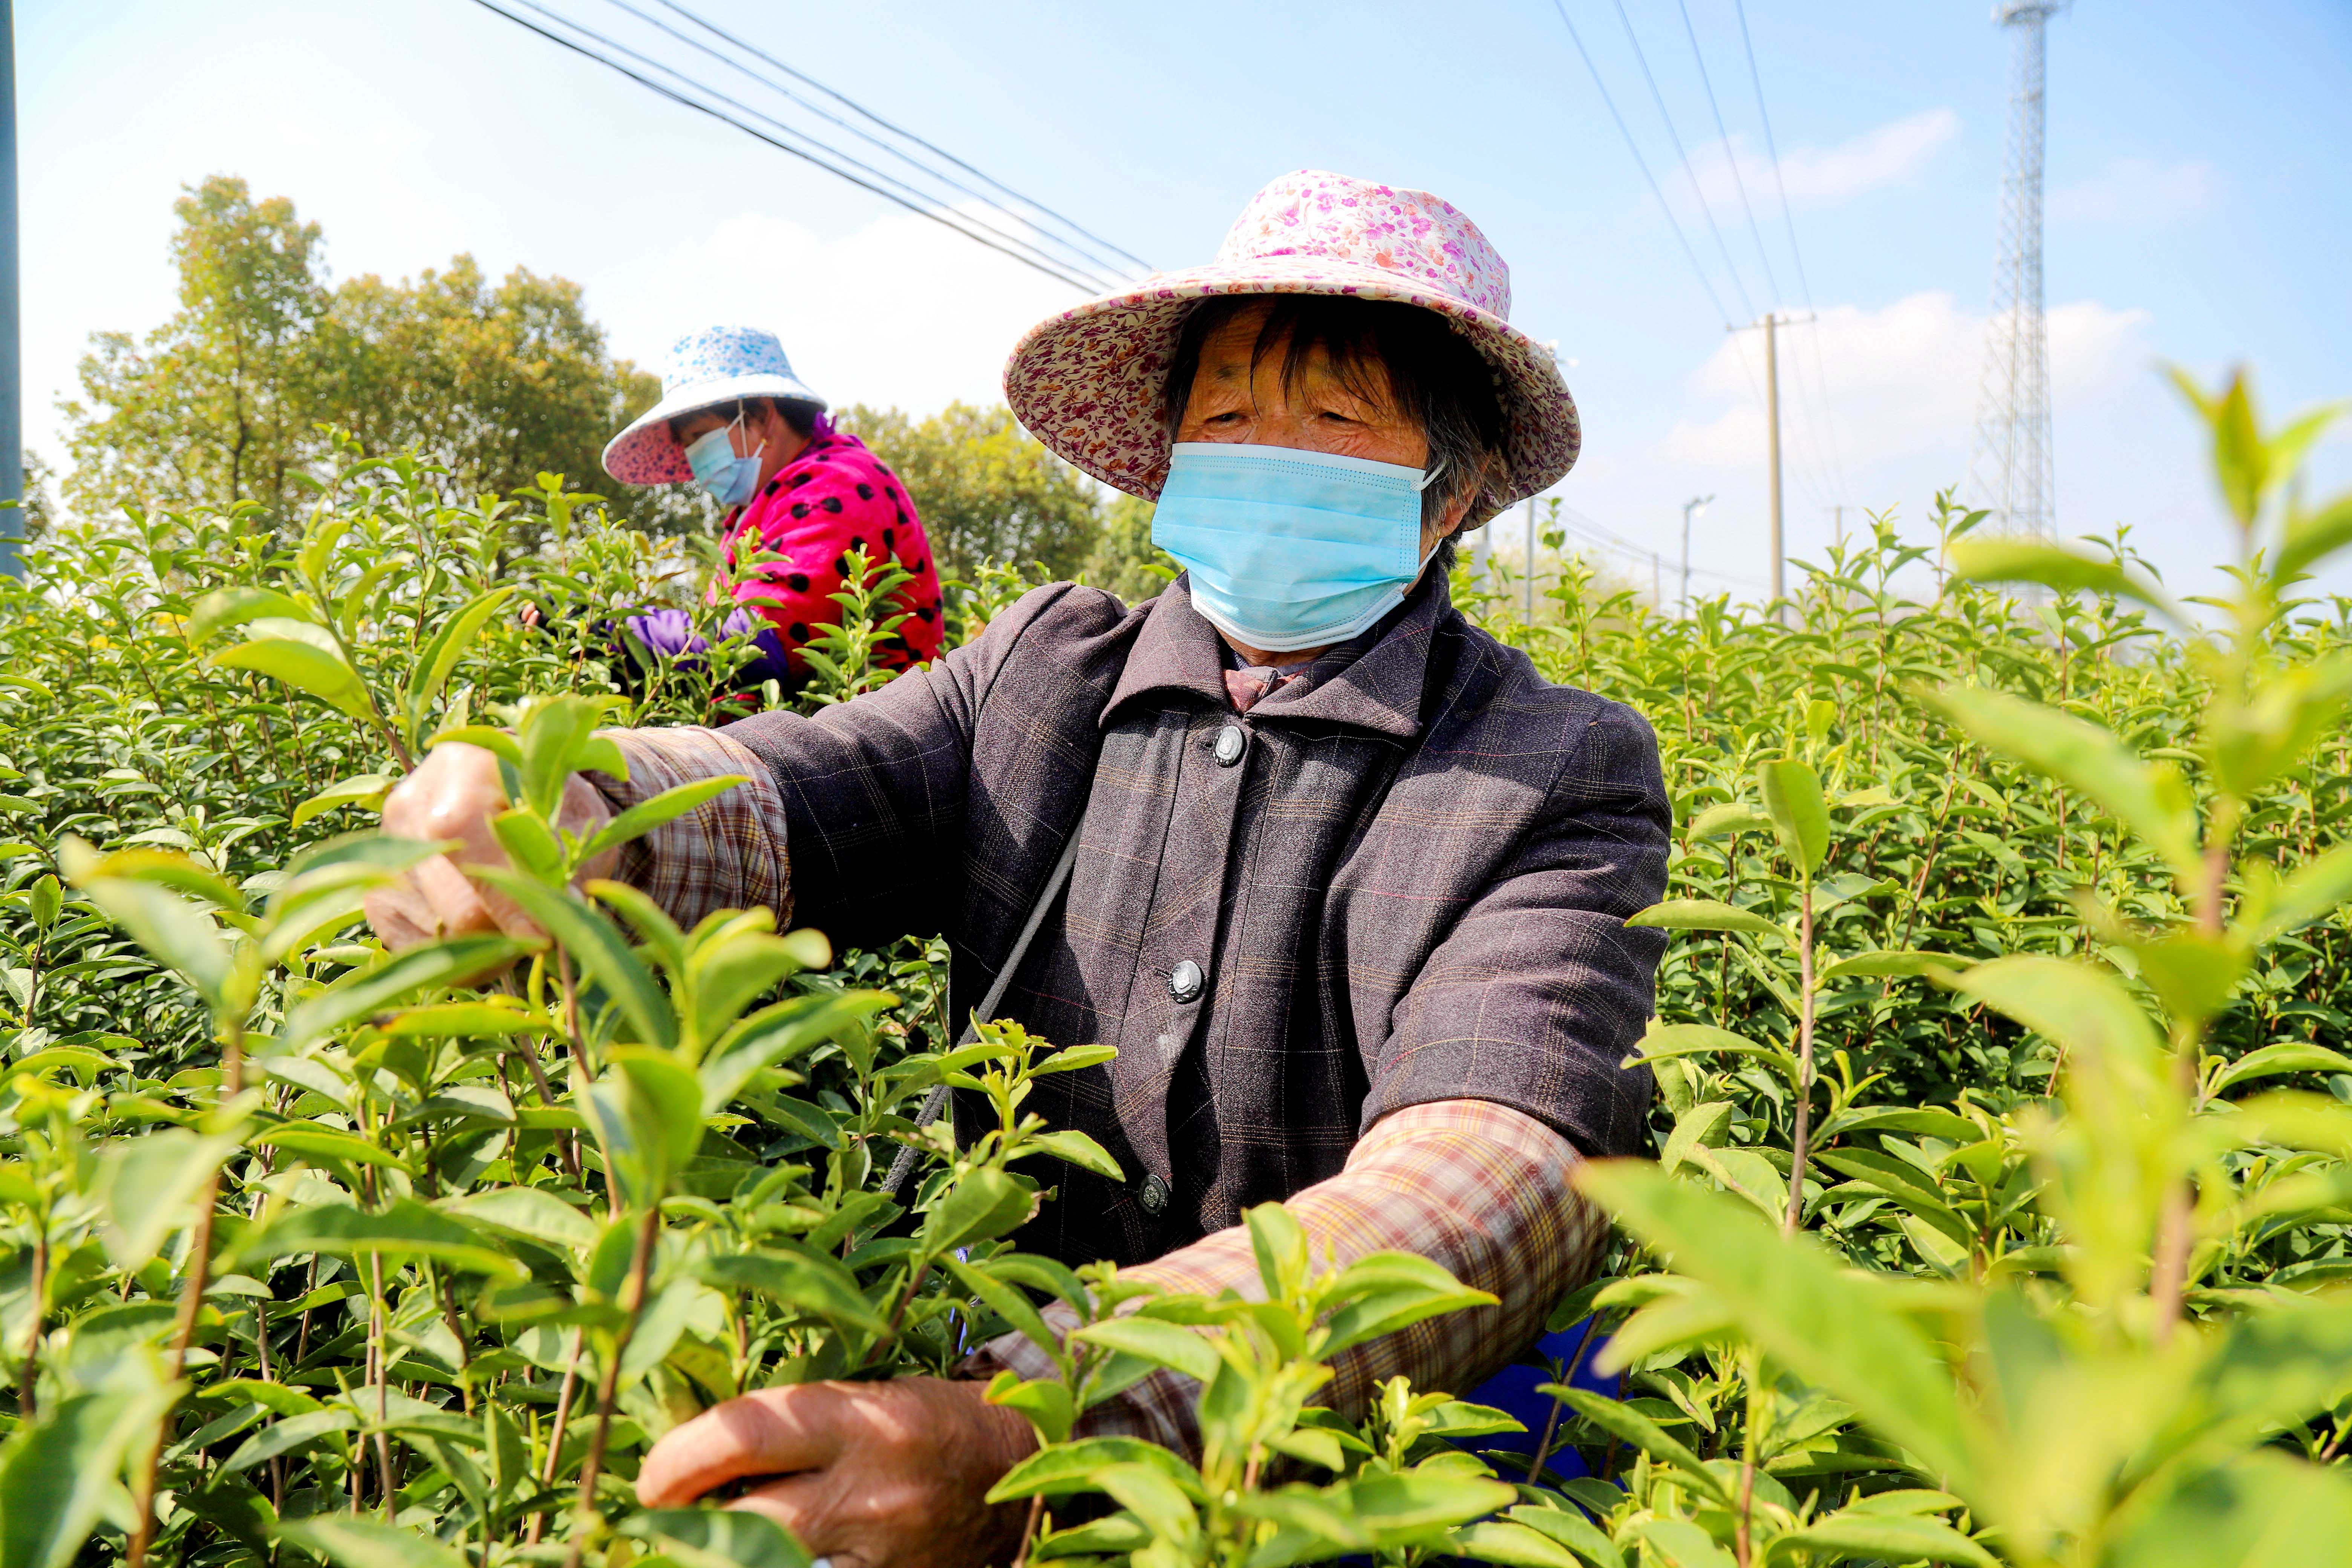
1705 914
58 1475
306 659
1170 1345
1075 1147
597 948
1894 1537
1511 1546
1800 816
1839 1332
405 1228
234 606
360 789
647 1111
148 1186
717 1537
2059 567
532 1212
1070 1468
429 967
2262 1510
1665 1041
439 659
1571 1530
983 1206
2085 757
655 812
778 1034
806 1279
367 1543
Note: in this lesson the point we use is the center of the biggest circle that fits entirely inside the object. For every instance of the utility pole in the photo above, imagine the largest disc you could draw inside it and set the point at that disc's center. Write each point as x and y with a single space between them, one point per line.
1837 515
1689 507
1531 562
12 380
1772 430
1772 322
1658 593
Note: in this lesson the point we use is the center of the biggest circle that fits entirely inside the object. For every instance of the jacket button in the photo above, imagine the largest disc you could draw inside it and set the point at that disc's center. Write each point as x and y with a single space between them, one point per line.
1154 1195
1232 741
1184 982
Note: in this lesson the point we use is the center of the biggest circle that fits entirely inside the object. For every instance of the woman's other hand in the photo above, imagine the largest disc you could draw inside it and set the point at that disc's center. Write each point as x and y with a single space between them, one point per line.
872 1475
454 796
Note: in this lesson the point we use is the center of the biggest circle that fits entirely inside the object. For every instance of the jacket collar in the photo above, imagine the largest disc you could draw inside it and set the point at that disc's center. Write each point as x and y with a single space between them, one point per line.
1374 682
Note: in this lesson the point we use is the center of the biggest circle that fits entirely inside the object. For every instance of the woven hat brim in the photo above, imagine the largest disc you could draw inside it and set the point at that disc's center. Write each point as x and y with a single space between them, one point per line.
1088 381
646 454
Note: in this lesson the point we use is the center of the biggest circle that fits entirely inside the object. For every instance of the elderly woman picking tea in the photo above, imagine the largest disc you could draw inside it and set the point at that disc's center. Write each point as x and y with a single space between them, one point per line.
1350 880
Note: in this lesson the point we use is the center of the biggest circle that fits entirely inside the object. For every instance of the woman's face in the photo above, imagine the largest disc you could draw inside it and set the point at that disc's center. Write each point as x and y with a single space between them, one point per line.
1317 413
744 437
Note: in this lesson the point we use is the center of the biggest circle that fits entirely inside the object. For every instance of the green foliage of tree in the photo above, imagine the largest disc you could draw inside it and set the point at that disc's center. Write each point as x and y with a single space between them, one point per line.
223 403
987 490
1124 560
214 407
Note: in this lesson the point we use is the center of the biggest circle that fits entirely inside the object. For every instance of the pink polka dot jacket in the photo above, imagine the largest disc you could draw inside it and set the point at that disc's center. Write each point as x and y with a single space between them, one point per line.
835 497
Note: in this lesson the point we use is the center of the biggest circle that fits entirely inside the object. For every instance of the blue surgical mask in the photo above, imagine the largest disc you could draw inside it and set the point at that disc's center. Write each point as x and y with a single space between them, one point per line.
1291 550
729 479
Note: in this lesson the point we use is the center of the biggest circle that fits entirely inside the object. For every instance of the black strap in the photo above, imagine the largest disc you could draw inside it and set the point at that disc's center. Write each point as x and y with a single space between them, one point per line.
935 1101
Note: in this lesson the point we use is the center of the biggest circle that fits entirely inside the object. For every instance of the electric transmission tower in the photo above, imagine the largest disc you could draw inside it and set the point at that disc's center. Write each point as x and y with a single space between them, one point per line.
2009 472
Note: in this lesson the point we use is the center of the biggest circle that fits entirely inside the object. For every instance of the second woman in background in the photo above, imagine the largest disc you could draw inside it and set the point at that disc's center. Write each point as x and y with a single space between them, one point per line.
800 495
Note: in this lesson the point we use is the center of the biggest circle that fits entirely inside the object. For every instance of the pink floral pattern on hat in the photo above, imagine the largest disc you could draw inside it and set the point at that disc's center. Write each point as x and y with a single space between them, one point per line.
1087 383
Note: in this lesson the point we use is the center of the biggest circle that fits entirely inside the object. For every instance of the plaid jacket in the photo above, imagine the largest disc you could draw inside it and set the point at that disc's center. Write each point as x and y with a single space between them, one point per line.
1399 880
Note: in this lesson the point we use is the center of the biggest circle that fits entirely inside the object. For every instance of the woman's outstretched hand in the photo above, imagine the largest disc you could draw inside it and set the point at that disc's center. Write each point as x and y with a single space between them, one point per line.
871 1474
453 795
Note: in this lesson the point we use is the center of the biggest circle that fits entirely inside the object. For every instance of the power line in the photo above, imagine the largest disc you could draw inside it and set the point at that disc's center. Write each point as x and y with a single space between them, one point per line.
733 63
1829 472
1706 283
940 217
1738 285
1789 221
1813 479
907 195
1576 525
1730 158
1644 165
899 130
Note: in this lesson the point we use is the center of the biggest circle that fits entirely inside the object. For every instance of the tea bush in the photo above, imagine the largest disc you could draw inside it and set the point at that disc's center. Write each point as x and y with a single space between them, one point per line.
2012 976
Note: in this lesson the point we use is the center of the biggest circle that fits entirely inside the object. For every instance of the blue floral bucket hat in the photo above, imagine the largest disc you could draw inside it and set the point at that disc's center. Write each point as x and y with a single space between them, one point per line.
702 370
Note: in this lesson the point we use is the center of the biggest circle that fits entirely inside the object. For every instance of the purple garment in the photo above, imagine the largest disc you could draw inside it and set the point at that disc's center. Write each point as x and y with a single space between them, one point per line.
671 633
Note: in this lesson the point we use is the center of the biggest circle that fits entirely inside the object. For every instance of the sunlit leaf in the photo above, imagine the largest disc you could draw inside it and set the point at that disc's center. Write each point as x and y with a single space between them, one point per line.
1801 816
1705 914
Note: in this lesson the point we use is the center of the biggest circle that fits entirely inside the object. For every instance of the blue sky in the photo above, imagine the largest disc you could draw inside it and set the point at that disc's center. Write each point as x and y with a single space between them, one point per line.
2199 207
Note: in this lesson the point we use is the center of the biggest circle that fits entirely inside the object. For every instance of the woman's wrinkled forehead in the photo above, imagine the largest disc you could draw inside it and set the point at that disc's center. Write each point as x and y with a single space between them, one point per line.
1260 349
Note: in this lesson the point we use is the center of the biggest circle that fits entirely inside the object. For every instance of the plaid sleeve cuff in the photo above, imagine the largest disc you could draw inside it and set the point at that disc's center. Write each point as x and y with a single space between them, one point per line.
1481 1188
728 853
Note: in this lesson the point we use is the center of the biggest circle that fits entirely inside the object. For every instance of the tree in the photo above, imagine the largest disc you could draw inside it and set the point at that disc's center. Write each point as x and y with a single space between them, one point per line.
1124 560
987 490
217 404
494 383
224 401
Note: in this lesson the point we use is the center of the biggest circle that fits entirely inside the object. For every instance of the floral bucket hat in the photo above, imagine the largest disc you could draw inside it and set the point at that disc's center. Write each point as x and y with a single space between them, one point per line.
702 370
1089 383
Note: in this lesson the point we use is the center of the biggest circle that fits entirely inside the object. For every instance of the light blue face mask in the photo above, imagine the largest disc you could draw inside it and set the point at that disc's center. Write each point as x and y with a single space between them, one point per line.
1291 549
730 478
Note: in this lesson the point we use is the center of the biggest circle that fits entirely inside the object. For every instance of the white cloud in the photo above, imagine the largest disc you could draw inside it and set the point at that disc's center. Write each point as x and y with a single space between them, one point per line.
1822 176
1901 380
899 311
2138 190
